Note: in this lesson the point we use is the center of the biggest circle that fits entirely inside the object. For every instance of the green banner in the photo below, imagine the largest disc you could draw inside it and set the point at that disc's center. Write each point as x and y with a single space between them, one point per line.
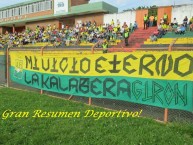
2 68
161 93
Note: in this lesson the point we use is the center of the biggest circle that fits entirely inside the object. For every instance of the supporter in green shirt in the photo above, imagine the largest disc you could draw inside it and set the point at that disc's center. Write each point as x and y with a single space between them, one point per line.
105 46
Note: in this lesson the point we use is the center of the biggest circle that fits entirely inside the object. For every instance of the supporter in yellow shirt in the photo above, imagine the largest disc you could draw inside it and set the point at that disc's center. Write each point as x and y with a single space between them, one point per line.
100 28
191 24
112 22
54 27
191 20
151 19
118 27
115 29
164 26
165 18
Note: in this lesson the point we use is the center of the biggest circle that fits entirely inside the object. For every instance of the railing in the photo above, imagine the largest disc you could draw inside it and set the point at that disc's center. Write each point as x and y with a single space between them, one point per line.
171 45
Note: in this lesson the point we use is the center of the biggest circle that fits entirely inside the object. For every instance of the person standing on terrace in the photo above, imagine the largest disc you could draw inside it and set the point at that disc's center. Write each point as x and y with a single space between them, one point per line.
151 20
135 26
155 21
112 22
185 21
165 18
145 20
126 36
105 46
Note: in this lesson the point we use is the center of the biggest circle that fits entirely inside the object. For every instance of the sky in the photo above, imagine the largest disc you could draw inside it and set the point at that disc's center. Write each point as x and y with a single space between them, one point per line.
121 4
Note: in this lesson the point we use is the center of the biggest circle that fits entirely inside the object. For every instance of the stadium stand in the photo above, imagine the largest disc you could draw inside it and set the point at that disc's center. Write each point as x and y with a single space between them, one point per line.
185 40
85 35
48 27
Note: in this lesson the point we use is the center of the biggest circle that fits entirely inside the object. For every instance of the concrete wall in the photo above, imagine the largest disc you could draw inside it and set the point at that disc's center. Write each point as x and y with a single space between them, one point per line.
20 29
140 17
162 10
78 2
128 17
44 24
4 29
67 22
179 12
94 17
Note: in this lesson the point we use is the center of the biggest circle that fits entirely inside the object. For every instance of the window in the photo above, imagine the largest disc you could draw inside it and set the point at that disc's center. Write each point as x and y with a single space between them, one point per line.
16 10
42 6
12 12
23 10
19 10
34 8
27 9
50 5
6 13
47 5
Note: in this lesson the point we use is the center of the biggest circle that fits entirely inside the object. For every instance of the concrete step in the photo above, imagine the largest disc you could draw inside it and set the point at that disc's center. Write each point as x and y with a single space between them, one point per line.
137 38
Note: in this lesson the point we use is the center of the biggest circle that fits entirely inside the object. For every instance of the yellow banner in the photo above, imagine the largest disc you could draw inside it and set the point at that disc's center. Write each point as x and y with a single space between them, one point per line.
2 53
176 65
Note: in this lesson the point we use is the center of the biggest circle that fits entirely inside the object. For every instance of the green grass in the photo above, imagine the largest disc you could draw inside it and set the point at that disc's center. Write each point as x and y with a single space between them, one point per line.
81 131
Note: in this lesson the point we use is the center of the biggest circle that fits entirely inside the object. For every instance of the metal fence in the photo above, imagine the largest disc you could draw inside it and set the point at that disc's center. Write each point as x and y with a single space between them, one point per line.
156 113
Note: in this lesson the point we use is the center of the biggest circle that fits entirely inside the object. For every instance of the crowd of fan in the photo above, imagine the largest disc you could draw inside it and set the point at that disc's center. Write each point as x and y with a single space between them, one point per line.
174 26
80 33
88 32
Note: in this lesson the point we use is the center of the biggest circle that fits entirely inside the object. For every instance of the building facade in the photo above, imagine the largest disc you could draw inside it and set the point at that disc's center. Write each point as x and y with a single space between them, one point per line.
54 12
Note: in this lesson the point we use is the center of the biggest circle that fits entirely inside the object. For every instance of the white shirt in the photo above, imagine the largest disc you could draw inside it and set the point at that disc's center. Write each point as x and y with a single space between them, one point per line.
175 21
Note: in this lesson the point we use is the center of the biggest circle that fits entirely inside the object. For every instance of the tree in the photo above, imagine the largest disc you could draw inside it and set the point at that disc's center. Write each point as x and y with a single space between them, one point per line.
139 8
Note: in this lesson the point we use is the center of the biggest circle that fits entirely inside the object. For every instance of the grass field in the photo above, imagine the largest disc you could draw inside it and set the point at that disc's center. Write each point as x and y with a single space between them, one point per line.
80 131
